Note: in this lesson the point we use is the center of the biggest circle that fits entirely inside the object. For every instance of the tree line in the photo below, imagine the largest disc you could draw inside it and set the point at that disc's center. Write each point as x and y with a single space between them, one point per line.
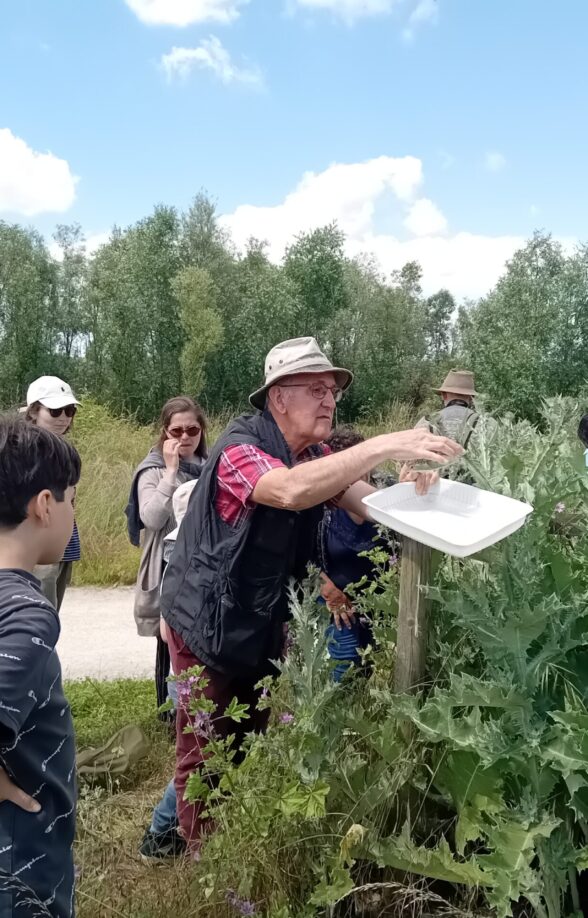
168 305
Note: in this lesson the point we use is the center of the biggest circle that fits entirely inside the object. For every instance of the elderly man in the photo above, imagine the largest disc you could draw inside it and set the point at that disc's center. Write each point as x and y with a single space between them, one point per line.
251 526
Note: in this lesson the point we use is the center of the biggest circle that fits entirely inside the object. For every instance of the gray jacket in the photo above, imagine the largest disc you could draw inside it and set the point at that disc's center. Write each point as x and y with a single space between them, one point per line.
156 511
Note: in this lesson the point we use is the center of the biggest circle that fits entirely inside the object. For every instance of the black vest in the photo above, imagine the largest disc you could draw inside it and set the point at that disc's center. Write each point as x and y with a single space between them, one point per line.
225 589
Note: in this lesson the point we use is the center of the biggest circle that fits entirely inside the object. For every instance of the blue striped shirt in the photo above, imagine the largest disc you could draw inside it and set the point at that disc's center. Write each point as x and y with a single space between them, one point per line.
73 550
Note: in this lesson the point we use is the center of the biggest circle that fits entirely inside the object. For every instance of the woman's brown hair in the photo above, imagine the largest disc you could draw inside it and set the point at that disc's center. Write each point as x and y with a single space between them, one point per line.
178 405
32 412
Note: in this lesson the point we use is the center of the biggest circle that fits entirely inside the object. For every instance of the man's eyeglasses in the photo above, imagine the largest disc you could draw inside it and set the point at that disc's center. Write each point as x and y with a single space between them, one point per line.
69 411
318 390
191 431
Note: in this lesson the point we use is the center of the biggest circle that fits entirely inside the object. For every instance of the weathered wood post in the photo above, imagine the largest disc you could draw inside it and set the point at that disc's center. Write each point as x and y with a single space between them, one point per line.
411 645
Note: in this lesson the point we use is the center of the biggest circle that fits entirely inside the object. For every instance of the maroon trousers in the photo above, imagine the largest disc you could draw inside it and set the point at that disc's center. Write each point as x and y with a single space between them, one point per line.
221 689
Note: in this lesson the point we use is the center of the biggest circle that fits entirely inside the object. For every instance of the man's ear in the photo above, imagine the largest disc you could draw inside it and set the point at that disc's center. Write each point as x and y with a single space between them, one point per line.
277 400
39 509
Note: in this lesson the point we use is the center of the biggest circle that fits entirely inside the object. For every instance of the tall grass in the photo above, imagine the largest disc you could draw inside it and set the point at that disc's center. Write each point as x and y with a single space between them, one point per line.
111 448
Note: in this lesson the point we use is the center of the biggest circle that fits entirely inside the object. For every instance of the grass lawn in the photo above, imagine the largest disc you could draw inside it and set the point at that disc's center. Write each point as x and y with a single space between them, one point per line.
113 816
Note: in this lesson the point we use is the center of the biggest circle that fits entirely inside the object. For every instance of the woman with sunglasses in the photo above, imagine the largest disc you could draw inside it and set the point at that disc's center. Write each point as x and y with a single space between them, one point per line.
177 457
52 405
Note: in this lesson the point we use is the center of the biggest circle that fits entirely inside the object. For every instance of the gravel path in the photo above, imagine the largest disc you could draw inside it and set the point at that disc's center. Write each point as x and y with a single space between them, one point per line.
98 636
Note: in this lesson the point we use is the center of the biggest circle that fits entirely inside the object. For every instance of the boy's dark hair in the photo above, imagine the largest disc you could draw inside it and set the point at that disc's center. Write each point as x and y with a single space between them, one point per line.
583 430
32 460
344 437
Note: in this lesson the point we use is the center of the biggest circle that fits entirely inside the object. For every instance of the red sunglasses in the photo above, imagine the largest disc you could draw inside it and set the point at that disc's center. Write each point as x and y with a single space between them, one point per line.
192 430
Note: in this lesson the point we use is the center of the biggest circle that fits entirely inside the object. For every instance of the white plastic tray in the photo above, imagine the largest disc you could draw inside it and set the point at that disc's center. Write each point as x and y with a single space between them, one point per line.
455 518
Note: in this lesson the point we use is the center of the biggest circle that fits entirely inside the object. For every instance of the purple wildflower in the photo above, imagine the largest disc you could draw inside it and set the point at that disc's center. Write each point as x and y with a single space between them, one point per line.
183 688
265 692
202 724
393 559
286 718
243 906
560 507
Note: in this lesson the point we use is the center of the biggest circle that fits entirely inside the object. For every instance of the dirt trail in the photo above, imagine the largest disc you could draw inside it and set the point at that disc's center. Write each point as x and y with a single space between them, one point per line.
98 635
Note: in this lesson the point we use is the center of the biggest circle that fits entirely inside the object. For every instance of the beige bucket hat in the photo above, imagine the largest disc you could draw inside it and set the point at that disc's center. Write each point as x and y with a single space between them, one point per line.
459 381
297 355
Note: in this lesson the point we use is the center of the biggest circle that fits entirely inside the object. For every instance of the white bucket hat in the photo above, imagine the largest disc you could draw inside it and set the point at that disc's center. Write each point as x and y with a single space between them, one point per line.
180 502
51 392
297 355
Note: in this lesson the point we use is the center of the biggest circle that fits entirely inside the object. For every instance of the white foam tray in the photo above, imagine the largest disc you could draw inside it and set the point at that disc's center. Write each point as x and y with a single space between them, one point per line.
455 518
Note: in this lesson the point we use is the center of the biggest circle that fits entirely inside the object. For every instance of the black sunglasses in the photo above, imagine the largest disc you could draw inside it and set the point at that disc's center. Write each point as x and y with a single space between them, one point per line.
69 411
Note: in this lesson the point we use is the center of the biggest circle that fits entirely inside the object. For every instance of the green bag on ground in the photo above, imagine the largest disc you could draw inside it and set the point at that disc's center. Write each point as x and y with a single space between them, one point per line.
120 753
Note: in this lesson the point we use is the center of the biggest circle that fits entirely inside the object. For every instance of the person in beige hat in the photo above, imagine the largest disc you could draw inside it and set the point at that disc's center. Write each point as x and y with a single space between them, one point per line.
458 418
251 527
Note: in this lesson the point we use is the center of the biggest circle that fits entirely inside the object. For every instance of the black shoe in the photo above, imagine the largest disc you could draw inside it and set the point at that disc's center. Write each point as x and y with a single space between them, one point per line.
158 847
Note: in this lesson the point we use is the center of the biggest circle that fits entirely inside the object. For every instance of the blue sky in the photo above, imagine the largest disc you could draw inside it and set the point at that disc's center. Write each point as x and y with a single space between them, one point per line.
440 129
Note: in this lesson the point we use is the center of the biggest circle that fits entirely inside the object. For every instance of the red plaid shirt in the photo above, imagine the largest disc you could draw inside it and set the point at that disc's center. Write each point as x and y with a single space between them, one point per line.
239 469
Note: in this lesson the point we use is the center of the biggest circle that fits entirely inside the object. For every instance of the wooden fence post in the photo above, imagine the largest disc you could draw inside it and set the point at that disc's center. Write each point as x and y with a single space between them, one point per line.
411 644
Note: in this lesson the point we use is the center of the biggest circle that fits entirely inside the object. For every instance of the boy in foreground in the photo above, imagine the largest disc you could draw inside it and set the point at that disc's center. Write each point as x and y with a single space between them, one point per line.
38 475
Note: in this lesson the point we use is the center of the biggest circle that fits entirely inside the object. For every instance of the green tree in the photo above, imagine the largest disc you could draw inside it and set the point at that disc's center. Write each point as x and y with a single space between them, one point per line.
71 270
201 323
439 309
137 335
28 306
519 337
316 265
265 310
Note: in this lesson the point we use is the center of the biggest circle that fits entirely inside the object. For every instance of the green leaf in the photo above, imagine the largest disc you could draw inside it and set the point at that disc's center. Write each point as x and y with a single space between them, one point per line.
237 711
462 776
196 789
439 863
332 890
305 800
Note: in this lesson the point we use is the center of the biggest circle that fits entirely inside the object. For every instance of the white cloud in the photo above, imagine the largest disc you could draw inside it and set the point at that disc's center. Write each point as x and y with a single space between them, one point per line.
211 55
31 182
183 13
426 11
350 10
93 242
494 161
425 219
344 192
468 264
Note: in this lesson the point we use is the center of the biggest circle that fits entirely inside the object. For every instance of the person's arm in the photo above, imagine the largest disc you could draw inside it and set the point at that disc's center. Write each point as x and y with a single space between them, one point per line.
155 492
27 639
311 483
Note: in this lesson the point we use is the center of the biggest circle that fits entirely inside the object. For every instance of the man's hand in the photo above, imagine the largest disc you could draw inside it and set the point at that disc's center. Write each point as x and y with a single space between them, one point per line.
420 443
9 791
337 603
423 480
